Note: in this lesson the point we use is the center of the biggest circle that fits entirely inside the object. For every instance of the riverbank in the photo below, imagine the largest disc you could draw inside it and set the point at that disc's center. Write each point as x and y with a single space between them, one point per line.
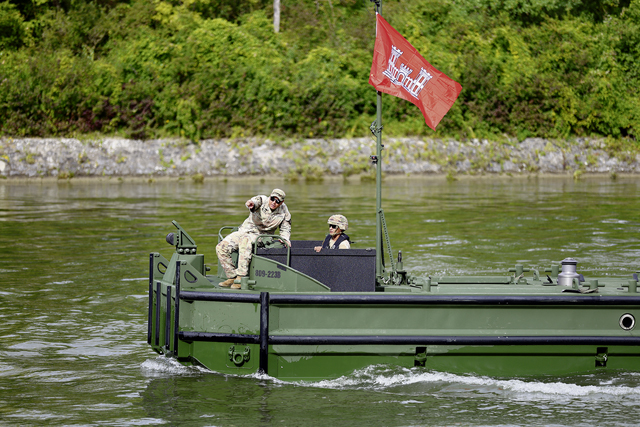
310 159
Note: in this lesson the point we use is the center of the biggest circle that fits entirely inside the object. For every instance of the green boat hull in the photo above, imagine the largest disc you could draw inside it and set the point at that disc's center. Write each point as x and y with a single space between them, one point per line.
293 363
293 327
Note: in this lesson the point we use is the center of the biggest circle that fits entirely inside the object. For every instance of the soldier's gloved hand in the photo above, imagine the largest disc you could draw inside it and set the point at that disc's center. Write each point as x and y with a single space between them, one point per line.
285 242
271 243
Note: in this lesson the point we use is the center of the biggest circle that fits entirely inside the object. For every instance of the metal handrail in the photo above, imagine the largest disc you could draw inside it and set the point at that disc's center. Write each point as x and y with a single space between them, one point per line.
255 247
226 227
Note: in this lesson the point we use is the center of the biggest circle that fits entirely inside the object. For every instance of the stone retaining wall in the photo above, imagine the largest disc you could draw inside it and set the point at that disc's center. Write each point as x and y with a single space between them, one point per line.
65 158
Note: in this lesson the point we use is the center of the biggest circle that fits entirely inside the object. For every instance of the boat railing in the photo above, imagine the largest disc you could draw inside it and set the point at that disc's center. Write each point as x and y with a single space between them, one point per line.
226 227
261 240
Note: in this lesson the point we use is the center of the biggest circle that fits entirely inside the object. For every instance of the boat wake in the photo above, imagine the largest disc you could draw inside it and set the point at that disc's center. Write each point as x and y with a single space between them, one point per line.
163 366
419 381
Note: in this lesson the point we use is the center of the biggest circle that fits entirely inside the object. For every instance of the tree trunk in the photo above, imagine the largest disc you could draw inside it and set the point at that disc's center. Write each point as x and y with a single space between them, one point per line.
276 16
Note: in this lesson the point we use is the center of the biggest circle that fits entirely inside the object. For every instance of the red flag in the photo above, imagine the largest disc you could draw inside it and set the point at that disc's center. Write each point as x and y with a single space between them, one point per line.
399 70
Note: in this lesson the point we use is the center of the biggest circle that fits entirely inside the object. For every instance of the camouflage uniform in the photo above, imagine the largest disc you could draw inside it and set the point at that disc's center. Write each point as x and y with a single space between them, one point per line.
261 220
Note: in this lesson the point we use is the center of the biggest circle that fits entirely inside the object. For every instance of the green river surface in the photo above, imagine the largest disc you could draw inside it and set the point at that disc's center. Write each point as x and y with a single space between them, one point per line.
73 298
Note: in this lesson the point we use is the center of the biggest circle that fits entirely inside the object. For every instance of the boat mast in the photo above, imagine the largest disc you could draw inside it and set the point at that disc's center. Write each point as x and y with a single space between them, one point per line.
376 128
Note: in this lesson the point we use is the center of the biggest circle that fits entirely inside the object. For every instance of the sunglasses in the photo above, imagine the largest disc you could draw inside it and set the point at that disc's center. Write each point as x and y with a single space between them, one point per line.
275 199
333 226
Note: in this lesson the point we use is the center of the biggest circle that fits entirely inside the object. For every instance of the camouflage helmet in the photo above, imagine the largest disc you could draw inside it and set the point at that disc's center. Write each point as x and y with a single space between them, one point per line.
340 221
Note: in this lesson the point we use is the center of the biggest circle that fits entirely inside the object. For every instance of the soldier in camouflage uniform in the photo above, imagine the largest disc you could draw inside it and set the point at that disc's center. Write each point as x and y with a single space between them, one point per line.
267 214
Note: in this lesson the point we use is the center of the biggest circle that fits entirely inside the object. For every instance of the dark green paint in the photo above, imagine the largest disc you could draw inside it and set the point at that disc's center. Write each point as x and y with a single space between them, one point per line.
321 361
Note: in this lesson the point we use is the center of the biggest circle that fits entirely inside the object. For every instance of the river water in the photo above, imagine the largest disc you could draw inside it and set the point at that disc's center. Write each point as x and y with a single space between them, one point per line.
73 299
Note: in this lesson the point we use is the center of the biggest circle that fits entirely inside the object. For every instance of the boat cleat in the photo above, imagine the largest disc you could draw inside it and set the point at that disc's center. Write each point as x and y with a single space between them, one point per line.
243 282
593 284
554 270
518 276
632 285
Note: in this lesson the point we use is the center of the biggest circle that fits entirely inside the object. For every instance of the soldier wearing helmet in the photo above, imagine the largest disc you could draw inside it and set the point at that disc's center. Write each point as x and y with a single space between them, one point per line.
267 214
336 239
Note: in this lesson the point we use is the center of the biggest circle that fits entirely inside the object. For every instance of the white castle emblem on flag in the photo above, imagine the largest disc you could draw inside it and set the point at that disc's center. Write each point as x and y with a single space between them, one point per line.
400 76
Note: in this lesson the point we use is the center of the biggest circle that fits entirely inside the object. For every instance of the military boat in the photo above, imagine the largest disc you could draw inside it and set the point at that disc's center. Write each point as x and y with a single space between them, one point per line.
294 318
306 315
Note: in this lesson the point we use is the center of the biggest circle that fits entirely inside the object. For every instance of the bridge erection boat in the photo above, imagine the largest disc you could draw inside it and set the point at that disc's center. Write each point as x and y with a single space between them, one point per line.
295 319
306 315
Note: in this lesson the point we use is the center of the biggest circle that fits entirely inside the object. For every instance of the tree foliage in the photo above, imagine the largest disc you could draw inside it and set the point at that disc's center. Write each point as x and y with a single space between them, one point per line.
215 68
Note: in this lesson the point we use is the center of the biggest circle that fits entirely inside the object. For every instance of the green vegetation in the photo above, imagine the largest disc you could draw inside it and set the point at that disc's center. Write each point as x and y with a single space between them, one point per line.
199 69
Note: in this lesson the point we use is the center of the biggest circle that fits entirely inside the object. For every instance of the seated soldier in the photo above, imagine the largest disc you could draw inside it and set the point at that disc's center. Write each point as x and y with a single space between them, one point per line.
336 239
267 215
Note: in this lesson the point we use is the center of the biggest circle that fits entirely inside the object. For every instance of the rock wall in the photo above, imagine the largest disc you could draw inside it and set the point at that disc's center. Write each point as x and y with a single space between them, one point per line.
64 158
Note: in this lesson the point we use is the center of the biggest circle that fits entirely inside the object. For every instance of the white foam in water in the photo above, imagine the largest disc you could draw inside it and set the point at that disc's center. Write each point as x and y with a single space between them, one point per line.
263 376
380 378
168 365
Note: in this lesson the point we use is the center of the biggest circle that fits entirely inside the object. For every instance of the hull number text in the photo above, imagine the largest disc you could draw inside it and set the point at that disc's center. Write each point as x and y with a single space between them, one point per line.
268 273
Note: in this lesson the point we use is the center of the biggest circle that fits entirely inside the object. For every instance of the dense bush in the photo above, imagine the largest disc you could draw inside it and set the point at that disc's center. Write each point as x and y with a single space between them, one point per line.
215 68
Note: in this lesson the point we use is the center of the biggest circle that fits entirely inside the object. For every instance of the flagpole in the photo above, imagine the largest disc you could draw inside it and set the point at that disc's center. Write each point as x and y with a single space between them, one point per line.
395 76
378 132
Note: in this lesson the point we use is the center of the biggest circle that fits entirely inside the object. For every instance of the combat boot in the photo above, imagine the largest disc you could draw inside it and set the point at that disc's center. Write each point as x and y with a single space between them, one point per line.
227 282
237 285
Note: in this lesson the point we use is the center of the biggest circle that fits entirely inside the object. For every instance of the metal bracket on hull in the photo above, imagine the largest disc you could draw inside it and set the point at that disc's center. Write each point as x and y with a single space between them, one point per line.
601 357
239 357
183 242
421 356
